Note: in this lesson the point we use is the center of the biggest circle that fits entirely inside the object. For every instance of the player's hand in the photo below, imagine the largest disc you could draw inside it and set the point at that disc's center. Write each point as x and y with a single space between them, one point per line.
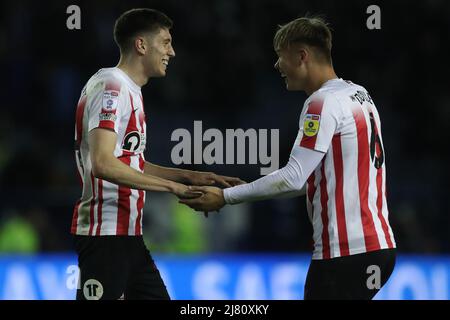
198 178
185 192
211 199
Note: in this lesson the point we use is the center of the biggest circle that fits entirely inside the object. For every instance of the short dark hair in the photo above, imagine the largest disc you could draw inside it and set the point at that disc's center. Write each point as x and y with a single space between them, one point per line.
134 21
312 31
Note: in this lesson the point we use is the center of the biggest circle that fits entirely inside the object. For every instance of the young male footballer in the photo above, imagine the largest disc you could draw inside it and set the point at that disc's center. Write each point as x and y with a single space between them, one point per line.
338 161
110 139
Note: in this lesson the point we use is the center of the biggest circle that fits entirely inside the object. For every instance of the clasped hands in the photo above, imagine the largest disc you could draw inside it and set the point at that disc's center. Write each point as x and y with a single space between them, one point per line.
208 197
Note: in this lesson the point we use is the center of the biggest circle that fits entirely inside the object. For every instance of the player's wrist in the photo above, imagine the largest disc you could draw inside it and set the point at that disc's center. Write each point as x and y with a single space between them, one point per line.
173 187
226 196
223 202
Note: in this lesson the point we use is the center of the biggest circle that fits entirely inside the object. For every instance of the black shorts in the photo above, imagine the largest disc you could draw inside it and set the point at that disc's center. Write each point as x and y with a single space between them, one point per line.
356 277
117 267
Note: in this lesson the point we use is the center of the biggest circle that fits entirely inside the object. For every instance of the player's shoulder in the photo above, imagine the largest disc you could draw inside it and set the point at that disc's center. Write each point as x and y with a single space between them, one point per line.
338 87
339 92
328 93
332 97
105 79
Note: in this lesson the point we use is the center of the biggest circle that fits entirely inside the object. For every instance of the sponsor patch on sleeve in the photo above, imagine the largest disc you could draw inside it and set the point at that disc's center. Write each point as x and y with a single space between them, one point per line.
110 100
107 117
311 125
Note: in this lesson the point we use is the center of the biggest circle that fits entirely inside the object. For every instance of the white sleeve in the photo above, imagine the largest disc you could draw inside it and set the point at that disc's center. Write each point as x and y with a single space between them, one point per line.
105 104
284 181
319 122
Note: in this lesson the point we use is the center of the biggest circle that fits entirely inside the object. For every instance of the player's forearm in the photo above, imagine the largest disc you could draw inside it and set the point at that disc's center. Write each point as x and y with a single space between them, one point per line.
172 174
115 171
271 186
293 194
287 181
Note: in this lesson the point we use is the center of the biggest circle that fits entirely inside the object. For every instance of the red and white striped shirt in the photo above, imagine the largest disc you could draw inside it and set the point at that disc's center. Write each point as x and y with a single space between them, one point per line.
346 193
110 100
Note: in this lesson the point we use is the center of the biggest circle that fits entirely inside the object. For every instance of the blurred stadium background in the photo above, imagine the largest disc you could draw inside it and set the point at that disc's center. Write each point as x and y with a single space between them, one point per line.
223 75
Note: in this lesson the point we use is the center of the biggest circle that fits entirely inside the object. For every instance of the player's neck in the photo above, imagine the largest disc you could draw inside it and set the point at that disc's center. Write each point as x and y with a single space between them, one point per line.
318 76
133 70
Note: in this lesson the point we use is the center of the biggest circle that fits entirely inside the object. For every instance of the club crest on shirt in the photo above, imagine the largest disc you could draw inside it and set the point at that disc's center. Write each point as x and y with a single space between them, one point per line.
311 125
134 141
110 100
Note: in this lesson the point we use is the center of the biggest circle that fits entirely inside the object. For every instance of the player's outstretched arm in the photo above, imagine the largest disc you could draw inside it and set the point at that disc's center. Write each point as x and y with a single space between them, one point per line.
286 181
196 178
106 166
295 193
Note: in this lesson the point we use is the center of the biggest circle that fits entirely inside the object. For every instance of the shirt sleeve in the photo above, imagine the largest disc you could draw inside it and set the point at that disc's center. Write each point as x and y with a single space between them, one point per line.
105 105
319 122
284 181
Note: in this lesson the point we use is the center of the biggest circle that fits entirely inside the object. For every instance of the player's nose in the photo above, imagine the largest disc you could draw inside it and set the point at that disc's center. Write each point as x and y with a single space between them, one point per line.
171 52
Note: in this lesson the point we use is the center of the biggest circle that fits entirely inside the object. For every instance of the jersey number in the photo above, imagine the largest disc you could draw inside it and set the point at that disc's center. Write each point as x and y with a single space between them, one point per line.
376 148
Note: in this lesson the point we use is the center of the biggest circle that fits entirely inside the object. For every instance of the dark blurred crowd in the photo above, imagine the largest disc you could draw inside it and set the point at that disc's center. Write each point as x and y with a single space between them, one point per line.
223 75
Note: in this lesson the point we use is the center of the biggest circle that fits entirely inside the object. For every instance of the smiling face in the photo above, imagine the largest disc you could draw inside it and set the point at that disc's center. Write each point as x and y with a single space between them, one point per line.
159 53
291 65
303 45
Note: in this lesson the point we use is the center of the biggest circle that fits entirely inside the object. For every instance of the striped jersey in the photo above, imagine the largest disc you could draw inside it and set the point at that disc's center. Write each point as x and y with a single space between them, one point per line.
346 193
112 101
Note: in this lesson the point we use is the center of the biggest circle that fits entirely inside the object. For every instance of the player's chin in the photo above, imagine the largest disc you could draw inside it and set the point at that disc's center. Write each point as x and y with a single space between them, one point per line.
292 87
162 73
288 84
289 87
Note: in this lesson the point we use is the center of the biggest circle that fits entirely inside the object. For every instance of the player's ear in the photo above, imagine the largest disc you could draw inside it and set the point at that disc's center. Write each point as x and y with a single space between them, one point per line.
140 45
302 55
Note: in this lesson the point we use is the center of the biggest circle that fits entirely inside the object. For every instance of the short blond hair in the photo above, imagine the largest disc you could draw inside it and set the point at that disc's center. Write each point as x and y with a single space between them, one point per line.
312 31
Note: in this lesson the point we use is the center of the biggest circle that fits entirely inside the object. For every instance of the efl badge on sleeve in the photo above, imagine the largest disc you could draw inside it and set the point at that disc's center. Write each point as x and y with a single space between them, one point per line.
311 125
110 100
